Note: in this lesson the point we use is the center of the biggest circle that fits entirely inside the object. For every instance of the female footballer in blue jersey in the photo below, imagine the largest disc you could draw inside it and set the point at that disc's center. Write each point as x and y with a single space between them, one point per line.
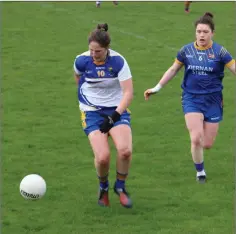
105 91
204 62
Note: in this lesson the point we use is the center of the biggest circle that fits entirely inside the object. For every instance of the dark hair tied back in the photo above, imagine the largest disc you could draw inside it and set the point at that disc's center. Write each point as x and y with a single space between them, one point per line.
209 14
207 18
100 35
103 27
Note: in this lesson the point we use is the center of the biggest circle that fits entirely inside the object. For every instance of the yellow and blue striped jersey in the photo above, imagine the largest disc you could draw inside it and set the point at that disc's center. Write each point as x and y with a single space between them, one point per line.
204 67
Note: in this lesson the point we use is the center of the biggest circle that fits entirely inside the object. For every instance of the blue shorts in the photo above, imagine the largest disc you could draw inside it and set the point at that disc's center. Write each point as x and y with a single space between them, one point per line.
210 105
91 120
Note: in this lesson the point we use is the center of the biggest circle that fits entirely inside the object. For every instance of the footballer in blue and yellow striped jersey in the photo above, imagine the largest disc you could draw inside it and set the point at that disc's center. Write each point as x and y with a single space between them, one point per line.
204 67
105 90
202 99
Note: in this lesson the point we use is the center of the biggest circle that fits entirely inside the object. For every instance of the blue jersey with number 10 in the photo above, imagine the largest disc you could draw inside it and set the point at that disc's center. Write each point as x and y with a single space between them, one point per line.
204 67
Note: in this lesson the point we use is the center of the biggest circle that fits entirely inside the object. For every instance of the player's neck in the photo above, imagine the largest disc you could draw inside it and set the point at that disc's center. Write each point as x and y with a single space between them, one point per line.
102 59
205 47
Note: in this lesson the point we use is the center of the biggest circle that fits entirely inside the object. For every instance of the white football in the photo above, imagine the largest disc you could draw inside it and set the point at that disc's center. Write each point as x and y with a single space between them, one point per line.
33 187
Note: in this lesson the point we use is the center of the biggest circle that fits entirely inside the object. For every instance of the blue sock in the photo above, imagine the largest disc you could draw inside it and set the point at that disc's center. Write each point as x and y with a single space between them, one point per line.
199 166
104 185
120 183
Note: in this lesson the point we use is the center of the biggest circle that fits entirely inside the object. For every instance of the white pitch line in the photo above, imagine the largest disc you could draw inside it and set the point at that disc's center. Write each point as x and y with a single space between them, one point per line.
119 30
137 36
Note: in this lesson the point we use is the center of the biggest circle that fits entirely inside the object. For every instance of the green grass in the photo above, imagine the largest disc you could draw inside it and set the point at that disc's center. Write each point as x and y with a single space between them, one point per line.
42 131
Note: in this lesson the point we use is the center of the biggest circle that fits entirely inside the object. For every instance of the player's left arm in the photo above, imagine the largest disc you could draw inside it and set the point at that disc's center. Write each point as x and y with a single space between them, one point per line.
232 67
228 60
125 79
126 84
127 89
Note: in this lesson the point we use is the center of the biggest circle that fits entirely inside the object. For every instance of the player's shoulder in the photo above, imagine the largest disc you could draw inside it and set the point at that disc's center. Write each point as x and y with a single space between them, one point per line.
219 49
84 56
188 46
216 45
116 58
115 55
82 59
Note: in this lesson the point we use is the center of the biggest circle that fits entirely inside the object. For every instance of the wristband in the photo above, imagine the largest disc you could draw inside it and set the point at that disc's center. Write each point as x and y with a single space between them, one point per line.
156 88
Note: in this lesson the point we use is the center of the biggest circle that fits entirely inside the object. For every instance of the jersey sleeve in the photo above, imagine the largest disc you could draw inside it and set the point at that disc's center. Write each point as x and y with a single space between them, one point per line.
124 73
79 65
180 56
226 57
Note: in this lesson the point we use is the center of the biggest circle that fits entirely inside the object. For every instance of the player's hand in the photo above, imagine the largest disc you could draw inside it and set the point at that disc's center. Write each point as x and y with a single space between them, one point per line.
109 121
148 93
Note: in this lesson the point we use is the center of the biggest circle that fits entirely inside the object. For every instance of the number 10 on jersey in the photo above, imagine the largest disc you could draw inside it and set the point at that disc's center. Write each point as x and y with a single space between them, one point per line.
101 73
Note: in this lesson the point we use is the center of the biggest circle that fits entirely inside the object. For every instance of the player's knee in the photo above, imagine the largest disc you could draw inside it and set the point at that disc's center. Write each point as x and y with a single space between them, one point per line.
207 144
196 139
103 159
124 152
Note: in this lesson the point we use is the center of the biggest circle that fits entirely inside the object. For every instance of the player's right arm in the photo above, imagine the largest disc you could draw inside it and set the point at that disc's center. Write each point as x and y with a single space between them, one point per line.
77 78
168 75
79 68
